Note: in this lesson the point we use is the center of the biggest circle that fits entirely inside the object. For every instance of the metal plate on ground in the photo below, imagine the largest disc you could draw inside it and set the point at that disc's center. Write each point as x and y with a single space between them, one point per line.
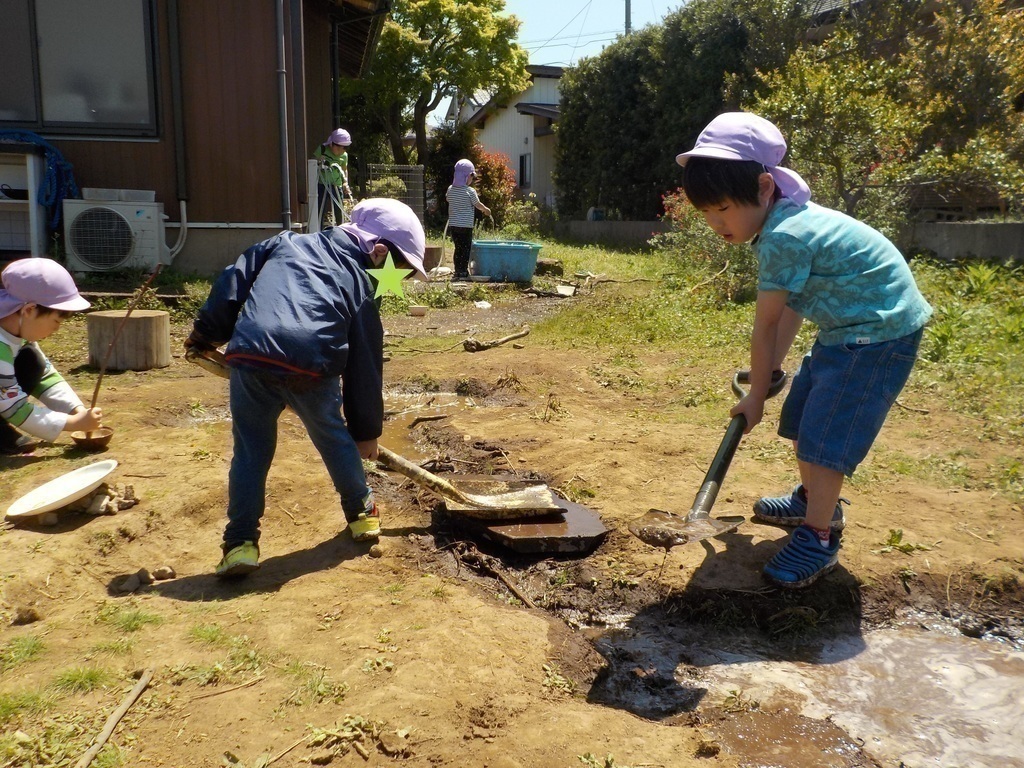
63 490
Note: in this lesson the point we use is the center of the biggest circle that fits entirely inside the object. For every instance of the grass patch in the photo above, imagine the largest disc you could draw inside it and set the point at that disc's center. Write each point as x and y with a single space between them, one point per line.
210 634
81 679
19 651
15 704
126 619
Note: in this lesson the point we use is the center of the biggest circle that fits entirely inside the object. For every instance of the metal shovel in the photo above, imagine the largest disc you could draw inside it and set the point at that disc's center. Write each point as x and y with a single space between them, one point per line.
502 501
664 529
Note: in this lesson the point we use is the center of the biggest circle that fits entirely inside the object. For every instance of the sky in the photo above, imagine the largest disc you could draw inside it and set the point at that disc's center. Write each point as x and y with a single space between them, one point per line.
561 32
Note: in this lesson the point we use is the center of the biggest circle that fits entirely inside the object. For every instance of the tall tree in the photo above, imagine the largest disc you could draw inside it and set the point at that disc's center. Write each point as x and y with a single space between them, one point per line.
430 50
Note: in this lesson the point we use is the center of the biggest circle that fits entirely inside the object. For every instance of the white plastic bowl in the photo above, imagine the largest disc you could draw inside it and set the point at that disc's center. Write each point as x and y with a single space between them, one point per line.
63 490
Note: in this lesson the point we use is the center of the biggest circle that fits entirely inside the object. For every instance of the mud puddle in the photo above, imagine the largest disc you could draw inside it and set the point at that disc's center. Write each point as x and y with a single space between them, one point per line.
892 697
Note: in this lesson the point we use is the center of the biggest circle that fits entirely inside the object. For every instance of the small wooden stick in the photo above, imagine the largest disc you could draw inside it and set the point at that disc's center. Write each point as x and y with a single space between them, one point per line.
115 718
472 345
226 690
279 755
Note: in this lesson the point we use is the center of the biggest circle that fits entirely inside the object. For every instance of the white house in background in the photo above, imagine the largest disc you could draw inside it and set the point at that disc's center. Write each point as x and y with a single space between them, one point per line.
522 128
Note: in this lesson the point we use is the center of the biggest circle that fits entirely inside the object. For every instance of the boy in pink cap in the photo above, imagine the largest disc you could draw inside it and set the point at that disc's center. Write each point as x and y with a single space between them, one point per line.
35 297
303 331
841 274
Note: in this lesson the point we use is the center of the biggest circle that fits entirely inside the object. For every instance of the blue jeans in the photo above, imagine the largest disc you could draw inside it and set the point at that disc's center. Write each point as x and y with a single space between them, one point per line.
840 397
257 400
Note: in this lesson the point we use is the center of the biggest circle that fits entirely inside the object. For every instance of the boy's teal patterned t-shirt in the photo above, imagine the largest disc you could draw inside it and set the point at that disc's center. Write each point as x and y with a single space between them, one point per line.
840 273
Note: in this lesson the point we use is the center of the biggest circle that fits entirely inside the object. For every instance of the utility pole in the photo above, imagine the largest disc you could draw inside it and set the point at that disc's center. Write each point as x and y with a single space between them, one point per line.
628 24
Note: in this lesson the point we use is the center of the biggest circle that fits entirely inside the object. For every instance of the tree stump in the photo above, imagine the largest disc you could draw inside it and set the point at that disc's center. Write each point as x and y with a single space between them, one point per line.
431 257
144 343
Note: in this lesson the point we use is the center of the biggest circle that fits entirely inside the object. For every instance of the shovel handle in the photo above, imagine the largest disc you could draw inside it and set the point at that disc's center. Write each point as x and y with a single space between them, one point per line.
419 475
708 492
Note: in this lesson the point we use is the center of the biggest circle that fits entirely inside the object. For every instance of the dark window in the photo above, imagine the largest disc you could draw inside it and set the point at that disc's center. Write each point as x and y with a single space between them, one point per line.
76 67
525 171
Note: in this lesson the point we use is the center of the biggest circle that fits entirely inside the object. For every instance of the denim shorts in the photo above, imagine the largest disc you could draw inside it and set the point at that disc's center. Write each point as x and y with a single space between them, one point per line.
840 397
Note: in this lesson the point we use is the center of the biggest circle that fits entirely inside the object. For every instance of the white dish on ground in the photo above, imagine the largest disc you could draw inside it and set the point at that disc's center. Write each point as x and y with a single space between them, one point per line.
63 490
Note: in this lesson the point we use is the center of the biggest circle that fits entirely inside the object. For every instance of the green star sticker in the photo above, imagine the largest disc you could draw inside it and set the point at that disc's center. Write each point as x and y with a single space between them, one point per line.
389 278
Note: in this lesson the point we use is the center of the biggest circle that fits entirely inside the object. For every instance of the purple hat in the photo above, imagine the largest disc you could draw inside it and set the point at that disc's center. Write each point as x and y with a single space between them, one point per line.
38 281
382 218
745 136
339 136
463 170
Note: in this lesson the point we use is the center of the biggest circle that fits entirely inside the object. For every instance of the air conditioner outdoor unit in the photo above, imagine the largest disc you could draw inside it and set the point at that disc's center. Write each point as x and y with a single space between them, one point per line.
101 235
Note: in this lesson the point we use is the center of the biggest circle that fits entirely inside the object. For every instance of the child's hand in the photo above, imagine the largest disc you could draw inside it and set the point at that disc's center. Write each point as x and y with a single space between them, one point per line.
84 420
367 449
752 409
195 339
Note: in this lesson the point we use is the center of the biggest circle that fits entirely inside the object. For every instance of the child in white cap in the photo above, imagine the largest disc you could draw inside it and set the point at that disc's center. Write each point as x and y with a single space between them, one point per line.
303 331
462 201
35 297
841 274
332 182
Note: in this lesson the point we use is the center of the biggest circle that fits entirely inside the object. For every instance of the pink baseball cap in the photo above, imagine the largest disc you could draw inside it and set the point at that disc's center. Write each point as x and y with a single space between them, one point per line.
339 136
39 281
745 136
381 218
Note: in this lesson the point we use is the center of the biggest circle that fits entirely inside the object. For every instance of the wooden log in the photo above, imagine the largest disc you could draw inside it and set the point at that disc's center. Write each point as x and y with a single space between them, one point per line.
144 343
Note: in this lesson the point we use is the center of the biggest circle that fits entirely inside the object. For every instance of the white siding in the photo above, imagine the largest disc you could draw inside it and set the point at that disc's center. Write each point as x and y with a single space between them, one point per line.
510 133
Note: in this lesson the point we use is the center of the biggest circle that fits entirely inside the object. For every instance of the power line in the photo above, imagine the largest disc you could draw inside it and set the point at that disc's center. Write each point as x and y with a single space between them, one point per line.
570 21
585 17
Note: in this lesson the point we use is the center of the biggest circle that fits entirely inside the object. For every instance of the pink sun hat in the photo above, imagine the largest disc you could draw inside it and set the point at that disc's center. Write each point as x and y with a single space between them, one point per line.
381 218
39 281
339 136
745 136
463 170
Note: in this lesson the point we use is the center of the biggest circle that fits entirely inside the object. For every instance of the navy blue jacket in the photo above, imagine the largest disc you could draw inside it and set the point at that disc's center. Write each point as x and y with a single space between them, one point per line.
303 305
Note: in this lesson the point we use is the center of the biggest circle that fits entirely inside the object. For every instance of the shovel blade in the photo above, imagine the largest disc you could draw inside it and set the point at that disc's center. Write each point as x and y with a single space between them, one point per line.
663 529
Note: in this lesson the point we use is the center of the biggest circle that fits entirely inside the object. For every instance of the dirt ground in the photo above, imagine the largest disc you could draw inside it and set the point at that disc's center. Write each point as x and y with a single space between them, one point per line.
446 650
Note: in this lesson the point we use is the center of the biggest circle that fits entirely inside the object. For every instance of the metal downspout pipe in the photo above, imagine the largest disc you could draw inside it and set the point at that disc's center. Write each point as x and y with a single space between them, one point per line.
282 81
178 118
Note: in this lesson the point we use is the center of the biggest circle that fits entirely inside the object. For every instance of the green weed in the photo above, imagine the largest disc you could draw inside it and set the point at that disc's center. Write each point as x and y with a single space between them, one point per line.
209 634
81 679
20 650
554 680
126 618
14 704
895 542
608 761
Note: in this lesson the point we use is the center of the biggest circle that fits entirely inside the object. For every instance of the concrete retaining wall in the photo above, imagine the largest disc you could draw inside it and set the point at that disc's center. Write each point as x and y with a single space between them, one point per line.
946 240
965 240
625 234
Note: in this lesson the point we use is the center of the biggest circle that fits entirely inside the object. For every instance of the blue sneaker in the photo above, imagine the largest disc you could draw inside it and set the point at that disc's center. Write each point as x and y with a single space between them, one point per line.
803 560
792 510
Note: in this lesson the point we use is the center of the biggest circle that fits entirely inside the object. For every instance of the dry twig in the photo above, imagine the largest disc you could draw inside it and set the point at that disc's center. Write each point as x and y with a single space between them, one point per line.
115 718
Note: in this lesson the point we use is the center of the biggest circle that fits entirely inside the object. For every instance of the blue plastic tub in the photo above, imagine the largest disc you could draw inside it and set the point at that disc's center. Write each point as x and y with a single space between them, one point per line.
512 261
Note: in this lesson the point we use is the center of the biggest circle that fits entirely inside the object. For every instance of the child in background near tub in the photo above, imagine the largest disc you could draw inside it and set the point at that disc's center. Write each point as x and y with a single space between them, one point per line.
842 275
35 297
462 200
303 331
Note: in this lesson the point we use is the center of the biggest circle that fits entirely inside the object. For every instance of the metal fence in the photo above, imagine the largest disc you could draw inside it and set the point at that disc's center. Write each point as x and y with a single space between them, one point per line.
400 182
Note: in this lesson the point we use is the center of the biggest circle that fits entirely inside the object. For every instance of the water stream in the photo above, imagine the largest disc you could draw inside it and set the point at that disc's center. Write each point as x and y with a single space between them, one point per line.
903 697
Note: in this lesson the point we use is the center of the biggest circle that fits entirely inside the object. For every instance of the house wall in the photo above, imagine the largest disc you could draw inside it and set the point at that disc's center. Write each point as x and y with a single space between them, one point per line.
230 94
510 133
